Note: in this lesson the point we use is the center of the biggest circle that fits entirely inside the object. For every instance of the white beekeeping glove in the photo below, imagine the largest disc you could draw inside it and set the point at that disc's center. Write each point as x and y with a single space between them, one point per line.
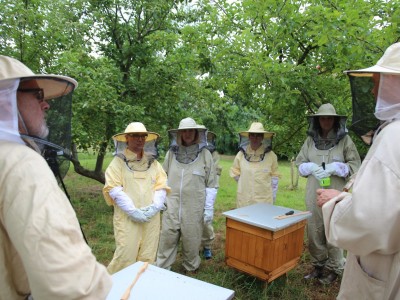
211 194
274 185
337 168
125 203
158 204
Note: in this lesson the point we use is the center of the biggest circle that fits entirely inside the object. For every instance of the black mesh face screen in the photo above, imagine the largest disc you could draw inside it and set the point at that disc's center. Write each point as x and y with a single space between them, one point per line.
56 148
363 103
58 119
244 143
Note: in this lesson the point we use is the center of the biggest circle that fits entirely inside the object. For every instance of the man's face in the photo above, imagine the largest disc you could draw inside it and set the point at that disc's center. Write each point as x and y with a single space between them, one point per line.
256 140
136 142
32 108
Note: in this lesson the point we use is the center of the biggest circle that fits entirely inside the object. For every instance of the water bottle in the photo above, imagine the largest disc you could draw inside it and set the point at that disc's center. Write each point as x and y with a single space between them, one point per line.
324 182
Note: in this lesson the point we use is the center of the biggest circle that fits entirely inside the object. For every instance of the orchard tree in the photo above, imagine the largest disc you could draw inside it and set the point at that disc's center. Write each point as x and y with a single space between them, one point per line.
224 63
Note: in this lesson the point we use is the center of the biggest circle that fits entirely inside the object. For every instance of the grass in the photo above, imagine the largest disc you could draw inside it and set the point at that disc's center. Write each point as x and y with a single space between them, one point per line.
96 221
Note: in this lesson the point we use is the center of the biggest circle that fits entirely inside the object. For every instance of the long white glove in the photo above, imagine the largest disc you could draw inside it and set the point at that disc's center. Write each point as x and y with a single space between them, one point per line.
337 168
159 199
125 203
306 169
158 204
274 185
211 194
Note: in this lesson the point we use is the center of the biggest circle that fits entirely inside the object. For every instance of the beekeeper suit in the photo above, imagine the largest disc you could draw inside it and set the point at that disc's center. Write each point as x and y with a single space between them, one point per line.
191 176
338 155
255 167
43 254
136 185
366 222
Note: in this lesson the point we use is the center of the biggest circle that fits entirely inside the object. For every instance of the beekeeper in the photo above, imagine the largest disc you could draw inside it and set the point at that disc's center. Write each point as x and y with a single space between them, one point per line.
43 253
191 176
255 167
366 221
136 185
328 152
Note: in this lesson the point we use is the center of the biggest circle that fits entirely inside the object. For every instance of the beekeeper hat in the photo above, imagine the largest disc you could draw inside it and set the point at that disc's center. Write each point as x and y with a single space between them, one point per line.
257 127
389 63
53 85
189 123
135 127
327 110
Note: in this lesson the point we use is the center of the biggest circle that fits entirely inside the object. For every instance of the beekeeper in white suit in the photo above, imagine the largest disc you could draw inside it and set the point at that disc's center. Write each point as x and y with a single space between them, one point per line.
43 254
191 176
136 185
366 221
328 146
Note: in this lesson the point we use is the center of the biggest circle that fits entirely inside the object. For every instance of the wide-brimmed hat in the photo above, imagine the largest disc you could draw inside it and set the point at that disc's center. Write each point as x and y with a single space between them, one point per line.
135 127
257 127
188 123
326 110
53 85
389 63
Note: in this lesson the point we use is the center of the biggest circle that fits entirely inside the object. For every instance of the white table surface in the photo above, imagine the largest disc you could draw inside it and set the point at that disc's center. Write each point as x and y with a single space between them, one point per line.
157 283
263 215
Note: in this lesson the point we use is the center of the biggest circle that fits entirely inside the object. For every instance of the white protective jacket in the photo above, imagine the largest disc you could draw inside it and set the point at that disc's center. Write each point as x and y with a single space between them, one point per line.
254 183
134 241
367 222
42 249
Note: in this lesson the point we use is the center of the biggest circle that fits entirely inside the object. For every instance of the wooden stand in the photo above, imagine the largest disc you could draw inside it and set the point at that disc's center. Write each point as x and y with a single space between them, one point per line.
261 252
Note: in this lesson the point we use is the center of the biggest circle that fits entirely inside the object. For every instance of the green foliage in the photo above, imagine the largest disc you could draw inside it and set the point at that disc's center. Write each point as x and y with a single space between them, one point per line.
224 63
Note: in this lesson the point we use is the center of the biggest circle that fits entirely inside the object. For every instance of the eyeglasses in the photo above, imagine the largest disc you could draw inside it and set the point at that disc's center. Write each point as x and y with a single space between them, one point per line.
37 92
138 136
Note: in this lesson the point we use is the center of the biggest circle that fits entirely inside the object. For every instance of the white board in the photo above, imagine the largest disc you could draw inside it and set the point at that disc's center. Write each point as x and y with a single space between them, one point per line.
157 283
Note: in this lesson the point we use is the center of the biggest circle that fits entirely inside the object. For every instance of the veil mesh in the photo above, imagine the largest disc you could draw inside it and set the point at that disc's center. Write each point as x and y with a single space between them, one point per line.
244 144
150 153
183 154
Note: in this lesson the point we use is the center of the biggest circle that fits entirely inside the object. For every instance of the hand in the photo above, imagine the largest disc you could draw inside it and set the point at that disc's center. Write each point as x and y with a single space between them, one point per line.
138 216
159 199
337 168
324 195
319 173
208 215
150 211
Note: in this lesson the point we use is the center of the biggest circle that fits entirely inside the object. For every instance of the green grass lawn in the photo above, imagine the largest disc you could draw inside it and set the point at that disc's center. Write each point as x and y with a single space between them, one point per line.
96 221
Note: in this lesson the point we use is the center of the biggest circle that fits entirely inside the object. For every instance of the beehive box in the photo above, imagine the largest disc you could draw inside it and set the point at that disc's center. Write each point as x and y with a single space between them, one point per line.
259 244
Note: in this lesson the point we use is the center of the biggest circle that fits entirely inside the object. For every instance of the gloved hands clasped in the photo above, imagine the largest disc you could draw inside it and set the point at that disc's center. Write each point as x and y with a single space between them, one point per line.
125 203
158 204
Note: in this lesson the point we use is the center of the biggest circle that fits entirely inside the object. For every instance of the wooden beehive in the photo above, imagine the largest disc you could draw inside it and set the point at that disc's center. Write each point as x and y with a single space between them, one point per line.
260 245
